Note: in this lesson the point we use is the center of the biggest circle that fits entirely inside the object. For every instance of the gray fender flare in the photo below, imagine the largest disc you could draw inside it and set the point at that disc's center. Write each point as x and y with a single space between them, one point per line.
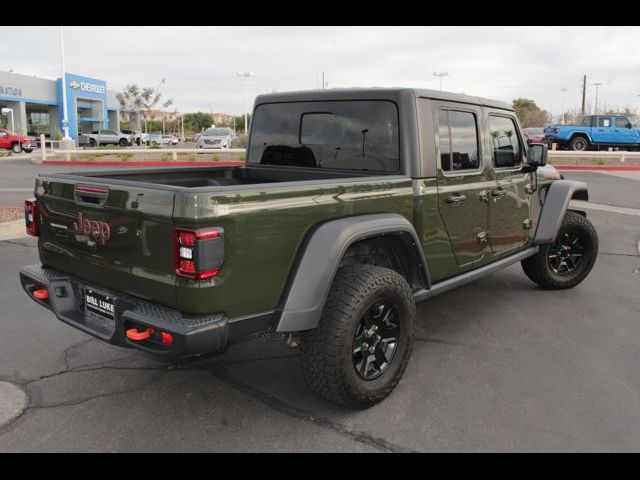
556 204
320 259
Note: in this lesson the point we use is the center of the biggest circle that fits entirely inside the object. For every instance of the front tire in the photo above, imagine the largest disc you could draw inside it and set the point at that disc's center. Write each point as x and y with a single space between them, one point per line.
16 148
359 351
566 262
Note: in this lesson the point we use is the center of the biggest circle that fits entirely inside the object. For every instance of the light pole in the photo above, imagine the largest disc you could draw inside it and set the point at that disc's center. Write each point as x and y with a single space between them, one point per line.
162 82
211 114
563 90
440 74
595 108
65 113
6 111
246 75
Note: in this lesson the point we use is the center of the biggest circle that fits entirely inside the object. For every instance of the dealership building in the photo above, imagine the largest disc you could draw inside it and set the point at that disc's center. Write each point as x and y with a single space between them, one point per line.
37 104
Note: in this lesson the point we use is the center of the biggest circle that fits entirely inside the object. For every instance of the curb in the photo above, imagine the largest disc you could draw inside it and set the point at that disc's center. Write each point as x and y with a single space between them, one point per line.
11 230
85 163
596 168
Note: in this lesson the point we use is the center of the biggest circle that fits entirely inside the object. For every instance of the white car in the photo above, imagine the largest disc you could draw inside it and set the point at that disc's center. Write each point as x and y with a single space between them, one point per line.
216 138
157 139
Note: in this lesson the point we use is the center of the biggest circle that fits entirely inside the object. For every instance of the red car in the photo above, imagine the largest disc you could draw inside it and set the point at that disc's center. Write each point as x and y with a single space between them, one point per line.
16 143
534 135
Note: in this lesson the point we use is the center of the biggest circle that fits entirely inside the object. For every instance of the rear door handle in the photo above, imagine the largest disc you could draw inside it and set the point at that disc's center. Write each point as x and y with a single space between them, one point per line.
455 199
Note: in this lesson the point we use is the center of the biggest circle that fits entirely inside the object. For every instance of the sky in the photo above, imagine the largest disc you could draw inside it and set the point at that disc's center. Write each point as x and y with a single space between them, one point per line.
200 64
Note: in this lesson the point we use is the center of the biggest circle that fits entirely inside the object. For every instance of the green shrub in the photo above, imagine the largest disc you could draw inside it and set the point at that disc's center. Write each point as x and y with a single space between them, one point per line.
125 156
191 157
602 161
155 147
216 157
165 157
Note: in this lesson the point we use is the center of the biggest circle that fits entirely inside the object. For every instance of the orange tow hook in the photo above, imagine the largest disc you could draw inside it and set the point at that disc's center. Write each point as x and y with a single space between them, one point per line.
136 336
41 293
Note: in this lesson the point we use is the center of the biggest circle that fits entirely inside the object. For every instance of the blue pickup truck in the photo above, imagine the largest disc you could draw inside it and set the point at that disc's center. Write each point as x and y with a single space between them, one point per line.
595 132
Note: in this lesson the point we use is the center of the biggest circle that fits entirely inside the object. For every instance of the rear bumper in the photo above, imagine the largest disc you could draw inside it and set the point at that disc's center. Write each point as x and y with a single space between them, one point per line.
190 335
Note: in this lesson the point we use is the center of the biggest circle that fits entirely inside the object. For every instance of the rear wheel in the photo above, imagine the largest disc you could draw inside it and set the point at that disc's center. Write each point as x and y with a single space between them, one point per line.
566 262
579 144
358 353
92 142
123 142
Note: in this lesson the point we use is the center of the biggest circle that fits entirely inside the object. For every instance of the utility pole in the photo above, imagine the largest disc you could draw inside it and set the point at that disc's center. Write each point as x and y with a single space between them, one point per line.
584 93
563 90
595 108
440 74
211 113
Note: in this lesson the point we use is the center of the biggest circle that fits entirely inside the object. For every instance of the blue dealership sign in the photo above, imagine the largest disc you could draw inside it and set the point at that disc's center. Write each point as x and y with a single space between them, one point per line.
87 93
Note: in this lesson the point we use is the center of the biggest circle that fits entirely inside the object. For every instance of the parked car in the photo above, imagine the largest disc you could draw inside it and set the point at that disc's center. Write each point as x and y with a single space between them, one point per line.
595 132
159 139
534 135
136 137
337 224
17 143
216 138
105 137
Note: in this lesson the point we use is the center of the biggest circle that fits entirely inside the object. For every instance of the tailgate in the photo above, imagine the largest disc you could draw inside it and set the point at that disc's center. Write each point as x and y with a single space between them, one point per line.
117 236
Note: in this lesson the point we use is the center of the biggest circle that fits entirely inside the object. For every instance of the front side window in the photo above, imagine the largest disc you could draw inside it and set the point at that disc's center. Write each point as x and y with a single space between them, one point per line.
507 152
622 122
458 134
604 122
347 135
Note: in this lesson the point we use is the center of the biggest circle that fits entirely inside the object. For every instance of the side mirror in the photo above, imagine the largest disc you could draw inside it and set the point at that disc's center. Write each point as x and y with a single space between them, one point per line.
629 125
537 155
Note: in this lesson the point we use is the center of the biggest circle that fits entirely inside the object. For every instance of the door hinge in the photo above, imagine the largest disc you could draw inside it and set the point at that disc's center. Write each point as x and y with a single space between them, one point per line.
484 196
528 188
527 225
483 238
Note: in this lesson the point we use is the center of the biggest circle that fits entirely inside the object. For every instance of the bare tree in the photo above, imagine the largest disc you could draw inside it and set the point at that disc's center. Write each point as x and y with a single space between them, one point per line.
140 101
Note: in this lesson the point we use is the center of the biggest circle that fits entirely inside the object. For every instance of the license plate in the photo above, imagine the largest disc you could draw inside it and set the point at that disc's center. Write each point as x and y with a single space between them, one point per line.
100 306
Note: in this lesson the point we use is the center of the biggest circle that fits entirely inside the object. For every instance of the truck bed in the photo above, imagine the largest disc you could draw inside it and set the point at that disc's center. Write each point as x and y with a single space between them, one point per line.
265 213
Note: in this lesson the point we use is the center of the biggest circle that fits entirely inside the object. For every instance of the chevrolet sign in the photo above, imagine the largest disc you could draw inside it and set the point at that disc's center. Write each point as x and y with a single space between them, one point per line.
88 87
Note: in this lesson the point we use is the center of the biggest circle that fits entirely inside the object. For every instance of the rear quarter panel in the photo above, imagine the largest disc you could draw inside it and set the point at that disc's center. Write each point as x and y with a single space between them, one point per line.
264 230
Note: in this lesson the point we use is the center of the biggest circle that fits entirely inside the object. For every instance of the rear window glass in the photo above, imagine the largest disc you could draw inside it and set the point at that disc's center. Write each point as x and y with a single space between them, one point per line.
348 135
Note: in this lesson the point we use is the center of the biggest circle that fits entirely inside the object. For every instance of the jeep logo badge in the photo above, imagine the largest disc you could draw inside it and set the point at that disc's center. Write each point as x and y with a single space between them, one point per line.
99 231
75 84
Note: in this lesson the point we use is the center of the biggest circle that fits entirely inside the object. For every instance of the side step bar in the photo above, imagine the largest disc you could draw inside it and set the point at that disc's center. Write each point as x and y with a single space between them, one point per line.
473 275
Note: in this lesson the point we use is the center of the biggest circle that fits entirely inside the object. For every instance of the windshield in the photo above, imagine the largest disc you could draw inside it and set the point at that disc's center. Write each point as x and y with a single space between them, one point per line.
348 135
216 132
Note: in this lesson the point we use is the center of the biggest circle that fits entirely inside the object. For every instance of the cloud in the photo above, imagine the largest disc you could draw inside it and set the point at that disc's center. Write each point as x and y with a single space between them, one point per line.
200 63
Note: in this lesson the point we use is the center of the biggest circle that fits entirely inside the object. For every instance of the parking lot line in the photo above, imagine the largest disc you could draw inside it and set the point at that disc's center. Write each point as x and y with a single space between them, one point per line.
606 208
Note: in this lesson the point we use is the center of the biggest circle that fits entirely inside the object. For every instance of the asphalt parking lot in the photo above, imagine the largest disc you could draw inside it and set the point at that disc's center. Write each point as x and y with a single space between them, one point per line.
499 365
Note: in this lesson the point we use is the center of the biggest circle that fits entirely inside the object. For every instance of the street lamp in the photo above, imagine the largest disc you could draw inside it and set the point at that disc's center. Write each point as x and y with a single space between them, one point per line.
595 109
245 75
162 82
6 111
563 90
65 114
440 74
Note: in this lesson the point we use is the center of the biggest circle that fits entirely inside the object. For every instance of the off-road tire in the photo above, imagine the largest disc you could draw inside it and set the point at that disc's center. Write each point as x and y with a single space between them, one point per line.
327 351
579 144
538 267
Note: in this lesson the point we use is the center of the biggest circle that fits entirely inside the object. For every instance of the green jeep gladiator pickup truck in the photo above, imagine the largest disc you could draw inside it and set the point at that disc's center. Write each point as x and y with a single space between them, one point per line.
352 206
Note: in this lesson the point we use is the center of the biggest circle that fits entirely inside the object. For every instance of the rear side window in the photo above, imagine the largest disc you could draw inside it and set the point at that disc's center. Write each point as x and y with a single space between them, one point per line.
458 132
507 151
349 135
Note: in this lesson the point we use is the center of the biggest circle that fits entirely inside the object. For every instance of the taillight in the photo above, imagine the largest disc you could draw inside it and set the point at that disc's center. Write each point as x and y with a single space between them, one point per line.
31 217
199 252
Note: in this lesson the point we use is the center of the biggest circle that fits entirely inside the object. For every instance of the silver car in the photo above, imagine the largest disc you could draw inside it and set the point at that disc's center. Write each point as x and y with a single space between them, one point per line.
216 138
